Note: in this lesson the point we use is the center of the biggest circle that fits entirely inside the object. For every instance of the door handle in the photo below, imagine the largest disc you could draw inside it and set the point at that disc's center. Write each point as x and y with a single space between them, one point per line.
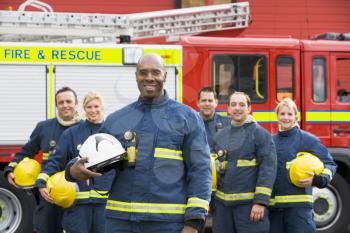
341 130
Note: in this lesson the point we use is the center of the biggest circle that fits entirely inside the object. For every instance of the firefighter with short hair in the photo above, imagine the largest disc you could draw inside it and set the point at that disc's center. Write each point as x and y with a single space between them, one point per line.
291 204
207 101
165 185
87 214
45 136
248 174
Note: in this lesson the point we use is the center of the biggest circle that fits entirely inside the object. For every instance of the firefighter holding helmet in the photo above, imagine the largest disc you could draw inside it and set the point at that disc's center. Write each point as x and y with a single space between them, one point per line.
45 136
303 162
165 183
85 213
248 168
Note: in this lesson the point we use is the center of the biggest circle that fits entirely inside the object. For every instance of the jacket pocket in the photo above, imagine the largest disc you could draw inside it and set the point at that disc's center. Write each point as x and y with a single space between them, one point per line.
168 165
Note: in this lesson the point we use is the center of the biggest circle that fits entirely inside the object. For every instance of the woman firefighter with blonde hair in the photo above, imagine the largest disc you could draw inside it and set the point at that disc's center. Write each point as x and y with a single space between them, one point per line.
87 214
291 202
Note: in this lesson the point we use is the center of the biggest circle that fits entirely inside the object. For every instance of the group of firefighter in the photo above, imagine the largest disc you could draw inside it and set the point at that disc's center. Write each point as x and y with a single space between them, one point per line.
169 187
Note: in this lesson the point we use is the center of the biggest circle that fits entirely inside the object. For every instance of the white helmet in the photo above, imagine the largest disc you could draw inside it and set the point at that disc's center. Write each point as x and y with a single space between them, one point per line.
102 151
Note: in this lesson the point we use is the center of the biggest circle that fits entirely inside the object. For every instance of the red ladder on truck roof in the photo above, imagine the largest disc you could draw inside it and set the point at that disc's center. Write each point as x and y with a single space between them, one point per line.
53 26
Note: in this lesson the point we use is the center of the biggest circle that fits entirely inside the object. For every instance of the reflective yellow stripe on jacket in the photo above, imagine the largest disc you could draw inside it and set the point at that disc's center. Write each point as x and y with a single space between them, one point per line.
46 156
234 196
157 208
151 208
91 194
290 199
246 163
166 153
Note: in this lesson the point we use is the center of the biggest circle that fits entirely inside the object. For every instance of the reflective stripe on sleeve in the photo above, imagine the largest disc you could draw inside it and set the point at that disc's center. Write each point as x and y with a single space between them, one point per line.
197 202
288 164
328 172
98 194
263 190
82 195
43 176
13 164
92 194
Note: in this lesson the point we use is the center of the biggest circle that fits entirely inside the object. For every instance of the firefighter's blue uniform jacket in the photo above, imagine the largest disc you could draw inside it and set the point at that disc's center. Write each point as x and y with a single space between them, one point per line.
213 125
171 180
285 218
45 136
88 210
248 178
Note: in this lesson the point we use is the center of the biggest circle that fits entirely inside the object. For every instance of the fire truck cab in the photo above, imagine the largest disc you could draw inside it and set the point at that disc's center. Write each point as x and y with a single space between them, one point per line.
314 73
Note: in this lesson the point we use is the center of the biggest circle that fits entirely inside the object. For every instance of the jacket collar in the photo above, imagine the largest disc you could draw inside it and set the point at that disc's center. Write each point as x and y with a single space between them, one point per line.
288 132
154 102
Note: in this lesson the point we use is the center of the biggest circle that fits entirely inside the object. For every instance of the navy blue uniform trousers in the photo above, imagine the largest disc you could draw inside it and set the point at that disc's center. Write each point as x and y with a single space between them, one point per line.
236 219
74 219
292 220
125 226
43 220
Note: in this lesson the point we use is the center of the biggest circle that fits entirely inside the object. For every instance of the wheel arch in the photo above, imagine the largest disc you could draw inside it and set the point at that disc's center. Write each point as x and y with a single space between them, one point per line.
342 158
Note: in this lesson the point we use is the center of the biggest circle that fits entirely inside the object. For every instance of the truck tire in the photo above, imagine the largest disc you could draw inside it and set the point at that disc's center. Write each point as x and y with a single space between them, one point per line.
332 206
16 208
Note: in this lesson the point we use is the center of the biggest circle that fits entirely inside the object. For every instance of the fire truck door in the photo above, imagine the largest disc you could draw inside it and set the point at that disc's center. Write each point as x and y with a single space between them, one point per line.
246 72
22 101
316 110
340 99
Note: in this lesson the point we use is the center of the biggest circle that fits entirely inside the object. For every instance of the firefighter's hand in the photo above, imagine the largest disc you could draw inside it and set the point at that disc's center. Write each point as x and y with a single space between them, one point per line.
80 172
307 182
257 213
188 229
11 179
45 194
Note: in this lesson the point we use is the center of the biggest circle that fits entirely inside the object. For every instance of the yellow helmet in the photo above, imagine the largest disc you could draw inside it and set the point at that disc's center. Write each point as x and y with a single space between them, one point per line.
303 164
62 191
26 172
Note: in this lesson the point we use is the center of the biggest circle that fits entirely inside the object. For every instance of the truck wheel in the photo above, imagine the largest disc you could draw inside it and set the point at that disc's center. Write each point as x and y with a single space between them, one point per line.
16 208
332 206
